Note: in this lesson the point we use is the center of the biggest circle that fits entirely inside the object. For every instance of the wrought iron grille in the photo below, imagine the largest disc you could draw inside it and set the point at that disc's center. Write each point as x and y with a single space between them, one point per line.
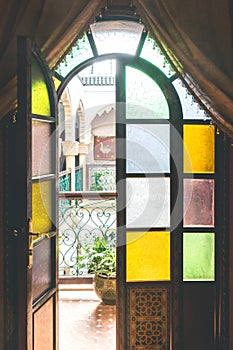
83 216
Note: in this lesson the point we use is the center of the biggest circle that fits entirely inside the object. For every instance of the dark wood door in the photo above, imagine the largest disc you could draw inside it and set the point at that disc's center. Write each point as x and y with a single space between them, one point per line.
31 176
171 199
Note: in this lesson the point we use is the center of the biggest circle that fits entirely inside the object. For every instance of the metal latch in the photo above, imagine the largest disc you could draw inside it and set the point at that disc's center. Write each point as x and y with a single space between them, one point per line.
31 235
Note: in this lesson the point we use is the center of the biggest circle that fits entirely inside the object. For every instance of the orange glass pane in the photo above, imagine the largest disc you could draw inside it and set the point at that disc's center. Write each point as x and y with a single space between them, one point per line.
148 256
199 148
42 207
40 94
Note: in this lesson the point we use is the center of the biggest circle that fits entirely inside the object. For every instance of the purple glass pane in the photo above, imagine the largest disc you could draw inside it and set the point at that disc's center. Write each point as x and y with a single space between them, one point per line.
198 203
41 148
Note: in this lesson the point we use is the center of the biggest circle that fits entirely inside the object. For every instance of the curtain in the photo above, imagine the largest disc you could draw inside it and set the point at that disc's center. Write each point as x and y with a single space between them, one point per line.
52 24
196 36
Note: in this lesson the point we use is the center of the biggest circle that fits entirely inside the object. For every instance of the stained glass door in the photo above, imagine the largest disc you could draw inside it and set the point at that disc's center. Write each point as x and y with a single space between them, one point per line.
171 196
33 204
166 216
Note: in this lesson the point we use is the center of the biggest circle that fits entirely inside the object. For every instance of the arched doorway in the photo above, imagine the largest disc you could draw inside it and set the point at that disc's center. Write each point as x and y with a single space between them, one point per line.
169 241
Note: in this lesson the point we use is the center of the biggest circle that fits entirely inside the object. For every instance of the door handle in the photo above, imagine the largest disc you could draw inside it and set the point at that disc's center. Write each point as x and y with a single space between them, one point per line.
31 235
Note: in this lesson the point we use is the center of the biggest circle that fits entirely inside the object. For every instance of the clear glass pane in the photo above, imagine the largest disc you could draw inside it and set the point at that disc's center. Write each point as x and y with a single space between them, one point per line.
190 108
198 257
116 36
40 95
198 202
148 256
42 206
144 98
147 202
41 148
90 76
152 53
97 82
79 53
199 148
147 148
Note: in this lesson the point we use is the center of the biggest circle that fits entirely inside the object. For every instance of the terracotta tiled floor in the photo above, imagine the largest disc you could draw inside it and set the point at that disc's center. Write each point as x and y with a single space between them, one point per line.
85 322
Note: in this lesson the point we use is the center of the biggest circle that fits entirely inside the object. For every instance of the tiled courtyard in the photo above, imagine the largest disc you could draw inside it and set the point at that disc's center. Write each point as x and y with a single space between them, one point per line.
85 322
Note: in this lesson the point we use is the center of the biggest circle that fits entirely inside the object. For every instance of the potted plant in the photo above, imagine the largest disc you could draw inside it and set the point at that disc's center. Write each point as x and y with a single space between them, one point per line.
100 259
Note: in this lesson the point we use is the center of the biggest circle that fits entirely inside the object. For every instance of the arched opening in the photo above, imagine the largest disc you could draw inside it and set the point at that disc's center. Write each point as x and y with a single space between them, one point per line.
168 186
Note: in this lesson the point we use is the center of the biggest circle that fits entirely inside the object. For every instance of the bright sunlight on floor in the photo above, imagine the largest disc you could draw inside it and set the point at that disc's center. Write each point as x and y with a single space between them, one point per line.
85 322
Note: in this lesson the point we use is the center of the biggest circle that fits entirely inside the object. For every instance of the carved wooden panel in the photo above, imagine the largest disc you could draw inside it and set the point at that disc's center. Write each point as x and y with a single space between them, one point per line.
148 319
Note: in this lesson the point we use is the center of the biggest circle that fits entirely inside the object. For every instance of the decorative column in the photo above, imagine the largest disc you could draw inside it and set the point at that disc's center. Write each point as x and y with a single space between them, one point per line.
70 150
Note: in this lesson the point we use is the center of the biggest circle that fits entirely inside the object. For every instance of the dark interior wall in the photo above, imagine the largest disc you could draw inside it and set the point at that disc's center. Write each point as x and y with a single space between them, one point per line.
1 246
231 251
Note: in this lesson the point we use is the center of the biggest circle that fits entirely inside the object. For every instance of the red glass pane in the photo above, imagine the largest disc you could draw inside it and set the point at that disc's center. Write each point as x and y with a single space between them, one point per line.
198 202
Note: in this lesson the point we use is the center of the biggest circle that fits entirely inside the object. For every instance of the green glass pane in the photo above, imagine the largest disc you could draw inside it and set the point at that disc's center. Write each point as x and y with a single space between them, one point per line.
80 52
199 149
152 53
144 98
148 256
42 206
116 36
40 94
198 256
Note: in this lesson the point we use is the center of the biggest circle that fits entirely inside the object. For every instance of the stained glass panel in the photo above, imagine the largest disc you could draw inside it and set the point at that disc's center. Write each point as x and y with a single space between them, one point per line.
144 98
40 95
57 82
42 206
79 53
190 108
148 148
41 148
199 148
148 202
116 36
148 256
152 53
198 256
198 202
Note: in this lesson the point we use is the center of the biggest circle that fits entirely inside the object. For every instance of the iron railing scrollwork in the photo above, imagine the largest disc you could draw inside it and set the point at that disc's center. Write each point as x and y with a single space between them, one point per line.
83 216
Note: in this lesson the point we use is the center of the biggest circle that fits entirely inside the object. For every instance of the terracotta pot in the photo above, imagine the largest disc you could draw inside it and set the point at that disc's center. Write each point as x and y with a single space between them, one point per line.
105 288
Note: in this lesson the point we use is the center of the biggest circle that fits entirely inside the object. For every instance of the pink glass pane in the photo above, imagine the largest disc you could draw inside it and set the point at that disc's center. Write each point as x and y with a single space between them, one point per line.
198 203
41 148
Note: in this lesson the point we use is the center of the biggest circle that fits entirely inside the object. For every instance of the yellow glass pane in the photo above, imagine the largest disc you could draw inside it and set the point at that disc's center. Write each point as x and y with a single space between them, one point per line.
40 95
41 207
57 82
148 256
199 148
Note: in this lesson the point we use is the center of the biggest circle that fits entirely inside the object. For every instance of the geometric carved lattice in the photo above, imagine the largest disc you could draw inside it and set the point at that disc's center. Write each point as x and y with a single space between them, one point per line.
149 321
